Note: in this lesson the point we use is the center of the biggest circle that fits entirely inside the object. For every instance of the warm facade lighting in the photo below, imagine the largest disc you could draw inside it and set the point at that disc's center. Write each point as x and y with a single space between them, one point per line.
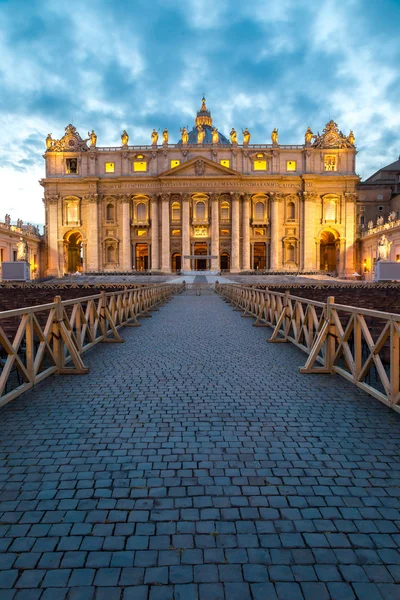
225 163
109 167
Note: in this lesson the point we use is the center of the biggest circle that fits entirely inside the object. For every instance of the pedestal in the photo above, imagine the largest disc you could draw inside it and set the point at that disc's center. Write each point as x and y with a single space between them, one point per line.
15 271
385 270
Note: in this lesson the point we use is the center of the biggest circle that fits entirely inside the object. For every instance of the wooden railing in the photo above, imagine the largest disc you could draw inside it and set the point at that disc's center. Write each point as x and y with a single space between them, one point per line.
359 344
38 341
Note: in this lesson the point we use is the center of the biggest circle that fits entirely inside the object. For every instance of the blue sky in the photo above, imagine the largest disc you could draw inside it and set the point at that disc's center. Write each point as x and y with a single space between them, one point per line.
139 64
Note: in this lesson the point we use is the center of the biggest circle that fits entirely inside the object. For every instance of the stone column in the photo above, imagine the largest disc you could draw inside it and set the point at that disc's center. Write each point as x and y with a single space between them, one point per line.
93 231
235 267
215 232
165 235
350 222
308 231
126 247
276 233
155 251
246 232
51 203
186 262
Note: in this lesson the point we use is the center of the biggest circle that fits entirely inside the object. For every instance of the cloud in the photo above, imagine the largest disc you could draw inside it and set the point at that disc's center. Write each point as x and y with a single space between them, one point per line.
138 65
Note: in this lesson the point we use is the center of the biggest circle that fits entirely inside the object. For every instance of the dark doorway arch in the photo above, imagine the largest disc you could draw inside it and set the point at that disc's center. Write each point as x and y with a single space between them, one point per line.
176 261
329 251
73 250
225 261
259 256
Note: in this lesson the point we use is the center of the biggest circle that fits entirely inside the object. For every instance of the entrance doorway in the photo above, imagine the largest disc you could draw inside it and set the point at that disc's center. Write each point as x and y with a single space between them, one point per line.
176 262
225 261
259 256
200 249
142 257
73 250
329 251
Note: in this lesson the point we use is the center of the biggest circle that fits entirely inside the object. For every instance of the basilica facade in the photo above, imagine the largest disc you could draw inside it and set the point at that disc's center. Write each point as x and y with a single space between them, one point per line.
209 202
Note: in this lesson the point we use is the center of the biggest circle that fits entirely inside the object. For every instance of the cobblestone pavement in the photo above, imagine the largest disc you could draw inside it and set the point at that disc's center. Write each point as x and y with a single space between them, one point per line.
194 462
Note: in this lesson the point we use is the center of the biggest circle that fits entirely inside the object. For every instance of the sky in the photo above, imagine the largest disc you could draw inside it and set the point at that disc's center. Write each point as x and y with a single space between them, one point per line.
144 64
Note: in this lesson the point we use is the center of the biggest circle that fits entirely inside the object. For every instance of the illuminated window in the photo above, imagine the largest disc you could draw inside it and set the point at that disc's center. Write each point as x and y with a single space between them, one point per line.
176 232
141 211
290 165
175 163
142 232
139 165
259 232
225 211
291 211
71 166
259 211
225 163
110 212
260 165
110 167
224 232
330 162
176 211
200 211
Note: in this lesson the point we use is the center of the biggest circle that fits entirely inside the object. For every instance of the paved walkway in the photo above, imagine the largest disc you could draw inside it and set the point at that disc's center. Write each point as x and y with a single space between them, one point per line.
194 462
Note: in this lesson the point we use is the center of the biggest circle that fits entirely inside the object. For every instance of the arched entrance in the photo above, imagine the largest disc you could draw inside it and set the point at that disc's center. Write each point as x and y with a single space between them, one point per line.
200 249
329 251
225 261
260 256
73 256
142 257
176 261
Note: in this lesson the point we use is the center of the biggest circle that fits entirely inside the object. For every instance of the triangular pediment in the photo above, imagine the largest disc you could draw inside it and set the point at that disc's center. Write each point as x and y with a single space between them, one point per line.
199 166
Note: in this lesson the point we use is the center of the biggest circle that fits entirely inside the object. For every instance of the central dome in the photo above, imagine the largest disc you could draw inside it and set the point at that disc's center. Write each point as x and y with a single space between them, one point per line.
203 119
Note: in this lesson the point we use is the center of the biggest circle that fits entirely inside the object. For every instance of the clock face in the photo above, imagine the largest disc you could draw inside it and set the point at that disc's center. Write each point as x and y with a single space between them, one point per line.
330 139
71 142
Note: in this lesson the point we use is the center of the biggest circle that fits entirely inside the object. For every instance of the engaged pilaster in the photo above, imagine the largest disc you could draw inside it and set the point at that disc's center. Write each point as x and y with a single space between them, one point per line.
93 231
185 232
246 232
309 254
235 267
276 199
165 234
126 253
215 232
155 235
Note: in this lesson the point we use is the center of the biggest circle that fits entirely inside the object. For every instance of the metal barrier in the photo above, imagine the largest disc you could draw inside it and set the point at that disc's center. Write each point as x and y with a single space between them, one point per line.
359 344
38 341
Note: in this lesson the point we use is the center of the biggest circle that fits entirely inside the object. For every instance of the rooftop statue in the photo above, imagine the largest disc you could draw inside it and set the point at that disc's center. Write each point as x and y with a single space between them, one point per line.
351 139
233 136
124 138
274 137
7 220
383 250
49 141
154 137
93 138
19 223
215 136
185 135
246 137
22 250
165 136
201 134
308 136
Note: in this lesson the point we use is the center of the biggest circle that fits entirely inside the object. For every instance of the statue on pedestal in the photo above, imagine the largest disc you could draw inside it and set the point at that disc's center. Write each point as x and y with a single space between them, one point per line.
383 250
22 250
19 223
185 135
7 220
308 136
274 137
233 136
154 137
93 138
201 134
380 220
49 141
246 137
124 138
165 136
215 136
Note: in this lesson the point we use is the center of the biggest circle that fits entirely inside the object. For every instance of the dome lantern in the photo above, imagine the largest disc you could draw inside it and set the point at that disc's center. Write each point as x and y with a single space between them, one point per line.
203 115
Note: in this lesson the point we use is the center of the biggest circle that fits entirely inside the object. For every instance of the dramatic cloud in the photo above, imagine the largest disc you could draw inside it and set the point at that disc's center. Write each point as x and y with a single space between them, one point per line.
138 65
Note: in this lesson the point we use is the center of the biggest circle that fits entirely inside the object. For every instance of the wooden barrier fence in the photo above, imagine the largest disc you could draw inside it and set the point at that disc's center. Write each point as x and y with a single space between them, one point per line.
359 344
39 341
